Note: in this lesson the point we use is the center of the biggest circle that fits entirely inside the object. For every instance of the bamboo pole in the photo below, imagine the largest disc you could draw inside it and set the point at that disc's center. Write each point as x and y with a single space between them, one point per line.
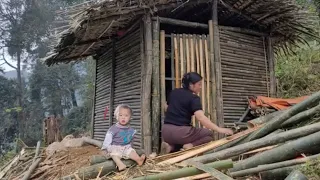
217 59
163 72
176 59
202 74
212 171
93 103
181 56
207 79
156 87
185 47
146 98
184 172
213 77
271 68
192 42
197 55
188 53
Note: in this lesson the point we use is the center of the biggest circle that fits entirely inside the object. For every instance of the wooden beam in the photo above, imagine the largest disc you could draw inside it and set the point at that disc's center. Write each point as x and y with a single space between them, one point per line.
163 73
182 23
156 86
212 171
112 83
273 89
146 86
217 61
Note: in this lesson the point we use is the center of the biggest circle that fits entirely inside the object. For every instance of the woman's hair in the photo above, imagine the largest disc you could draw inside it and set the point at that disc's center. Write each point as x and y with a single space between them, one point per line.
124 106
191 77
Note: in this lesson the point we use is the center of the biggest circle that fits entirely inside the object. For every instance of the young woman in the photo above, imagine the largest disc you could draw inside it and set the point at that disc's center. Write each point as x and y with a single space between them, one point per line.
182 104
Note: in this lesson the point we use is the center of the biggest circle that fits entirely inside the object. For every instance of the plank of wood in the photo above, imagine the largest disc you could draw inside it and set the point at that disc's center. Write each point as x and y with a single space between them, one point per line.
259 150
15 160
212 171
208 147
199 176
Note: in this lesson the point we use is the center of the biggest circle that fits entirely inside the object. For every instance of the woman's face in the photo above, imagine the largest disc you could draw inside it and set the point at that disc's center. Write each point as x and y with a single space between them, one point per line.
196 87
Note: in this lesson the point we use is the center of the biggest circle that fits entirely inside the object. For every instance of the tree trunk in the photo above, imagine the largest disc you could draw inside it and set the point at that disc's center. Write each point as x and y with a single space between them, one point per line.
301 116
73 97
266 141
274 123
92 142
267 167
184 172
286 151
296 175
277 174
20 121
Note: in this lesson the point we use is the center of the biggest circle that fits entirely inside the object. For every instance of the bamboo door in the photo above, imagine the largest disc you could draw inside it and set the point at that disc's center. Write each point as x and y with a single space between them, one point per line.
190 53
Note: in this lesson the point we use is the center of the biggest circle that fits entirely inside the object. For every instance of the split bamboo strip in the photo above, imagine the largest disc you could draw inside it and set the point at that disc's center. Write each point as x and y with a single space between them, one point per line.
176 59
181 56
200 176
185 47
208 147
207 79
197 55
212 171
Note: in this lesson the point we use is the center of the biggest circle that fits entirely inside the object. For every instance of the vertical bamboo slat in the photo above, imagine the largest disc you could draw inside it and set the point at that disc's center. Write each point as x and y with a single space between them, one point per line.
181 56
163 73
192 53
197 55
156 86
217 59
202 74
188 53
213 77
146 98
207 79
176 60
273 89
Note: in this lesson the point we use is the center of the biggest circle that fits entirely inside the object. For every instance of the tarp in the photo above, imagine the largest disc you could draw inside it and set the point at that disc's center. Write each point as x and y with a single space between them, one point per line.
276 103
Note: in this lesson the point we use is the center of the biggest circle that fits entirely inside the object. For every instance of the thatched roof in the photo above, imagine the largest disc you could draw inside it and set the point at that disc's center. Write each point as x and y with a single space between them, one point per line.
92 24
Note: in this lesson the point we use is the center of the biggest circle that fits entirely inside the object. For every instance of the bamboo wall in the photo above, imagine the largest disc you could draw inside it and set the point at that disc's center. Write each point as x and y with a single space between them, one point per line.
102 95
244 71
124 64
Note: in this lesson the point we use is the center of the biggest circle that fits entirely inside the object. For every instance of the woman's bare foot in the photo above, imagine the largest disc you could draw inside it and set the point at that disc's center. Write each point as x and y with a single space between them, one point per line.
165 148
141 160
187 146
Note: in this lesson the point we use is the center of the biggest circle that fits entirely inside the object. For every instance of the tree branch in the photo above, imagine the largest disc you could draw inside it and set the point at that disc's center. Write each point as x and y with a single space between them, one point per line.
5 60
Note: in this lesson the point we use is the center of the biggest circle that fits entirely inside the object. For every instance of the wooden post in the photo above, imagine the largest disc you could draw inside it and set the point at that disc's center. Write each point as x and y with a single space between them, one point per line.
112 83
176 60
217 60
207 78
163 72
181 56
213 78
156 86
146 85
143 61
93 101
273 90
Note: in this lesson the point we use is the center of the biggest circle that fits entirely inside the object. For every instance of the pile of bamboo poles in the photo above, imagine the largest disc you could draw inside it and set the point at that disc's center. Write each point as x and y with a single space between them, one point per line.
191 54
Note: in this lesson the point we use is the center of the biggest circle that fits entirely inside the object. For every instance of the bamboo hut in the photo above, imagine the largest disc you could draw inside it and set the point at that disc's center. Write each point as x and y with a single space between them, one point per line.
142 49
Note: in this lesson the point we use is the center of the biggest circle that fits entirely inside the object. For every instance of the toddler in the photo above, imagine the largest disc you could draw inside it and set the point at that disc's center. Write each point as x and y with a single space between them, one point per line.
119 139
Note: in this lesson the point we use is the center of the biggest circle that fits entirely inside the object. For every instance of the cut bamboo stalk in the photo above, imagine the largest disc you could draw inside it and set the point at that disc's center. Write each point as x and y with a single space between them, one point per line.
176 60
296 175
213 172
181 55
277 174
185 47
197 55
208 147
302 116
283 152
252 145
192 53
267 167
184 172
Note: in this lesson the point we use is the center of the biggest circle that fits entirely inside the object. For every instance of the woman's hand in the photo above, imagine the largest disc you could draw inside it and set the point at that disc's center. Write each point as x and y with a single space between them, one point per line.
225 131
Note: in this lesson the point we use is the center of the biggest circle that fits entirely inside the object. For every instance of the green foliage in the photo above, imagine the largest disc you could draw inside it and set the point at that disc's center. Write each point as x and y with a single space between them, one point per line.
7 158
299 74
311 169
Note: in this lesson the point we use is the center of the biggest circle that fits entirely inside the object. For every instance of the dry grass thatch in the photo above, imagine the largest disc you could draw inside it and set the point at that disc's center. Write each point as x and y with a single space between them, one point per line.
86 28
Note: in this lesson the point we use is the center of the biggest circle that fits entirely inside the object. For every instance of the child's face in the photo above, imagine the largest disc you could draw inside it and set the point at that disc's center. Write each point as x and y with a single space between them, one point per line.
124 116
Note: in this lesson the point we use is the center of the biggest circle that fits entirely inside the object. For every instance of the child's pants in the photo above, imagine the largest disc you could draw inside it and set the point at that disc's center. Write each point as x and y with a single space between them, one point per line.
119 151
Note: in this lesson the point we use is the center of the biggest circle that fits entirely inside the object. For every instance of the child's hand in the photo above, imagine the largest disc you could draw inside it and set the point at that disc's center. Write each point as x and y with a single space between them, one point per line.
226 131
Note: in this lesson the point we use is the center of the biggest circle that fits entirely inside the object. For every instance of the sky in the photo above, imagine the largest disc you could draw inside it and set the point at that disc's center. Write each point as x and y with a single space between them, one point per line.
7 67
